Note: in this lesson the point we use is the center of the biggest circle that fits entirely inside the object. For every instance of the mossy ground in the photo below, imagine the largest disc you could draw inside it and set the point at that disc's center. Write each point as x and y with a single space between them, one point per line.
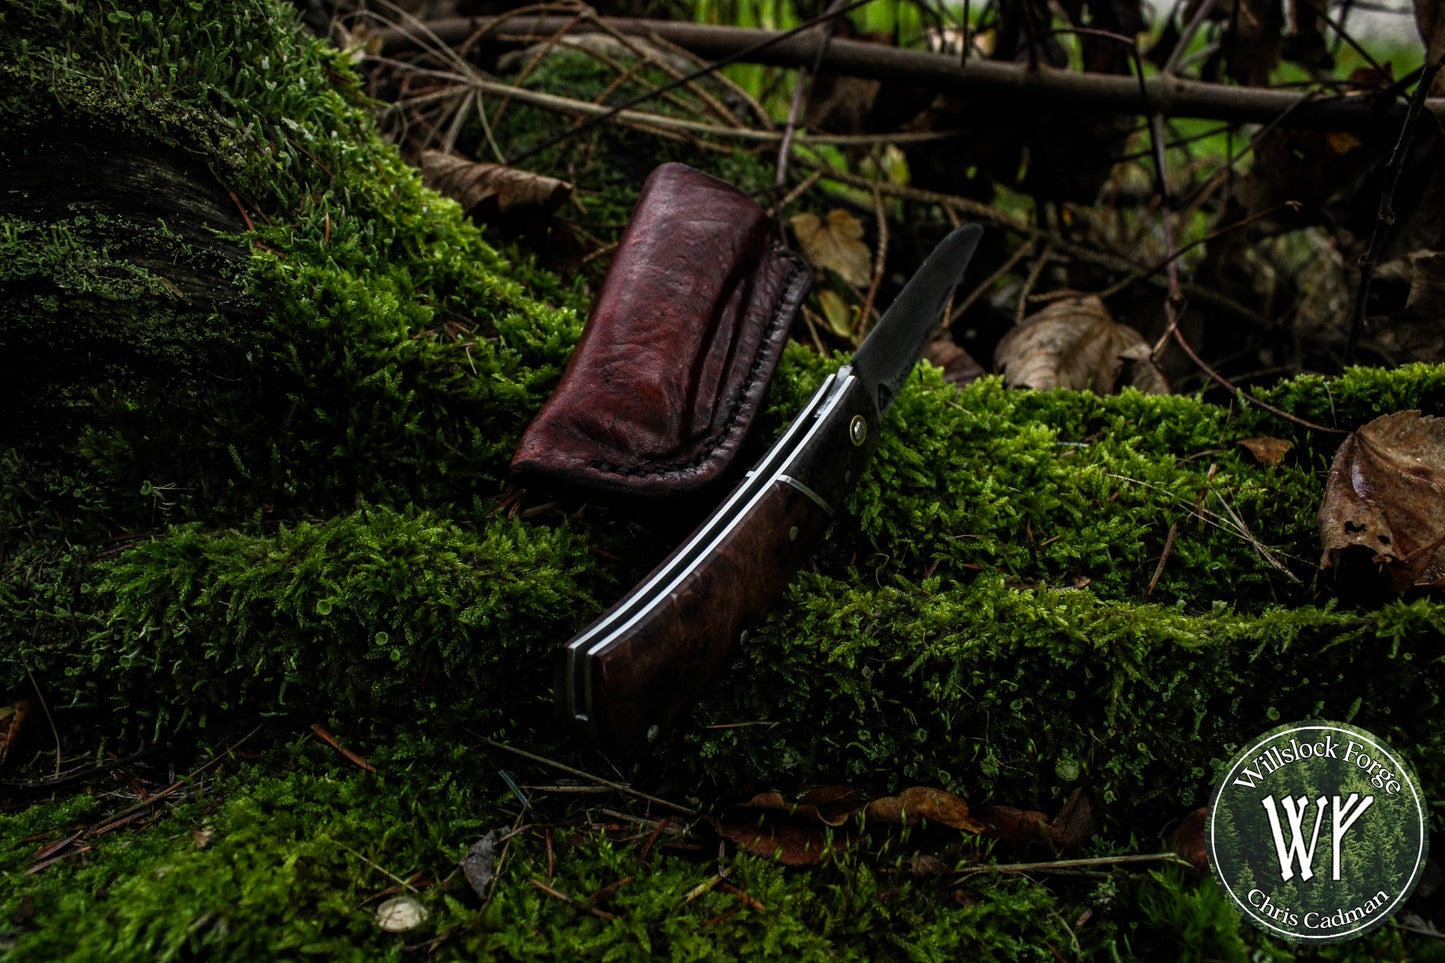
257 518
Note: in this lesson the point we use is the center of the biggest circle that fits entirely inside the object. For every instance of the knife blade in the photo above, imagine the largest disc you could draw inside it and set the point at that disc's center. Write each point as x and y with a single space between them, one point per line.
645 661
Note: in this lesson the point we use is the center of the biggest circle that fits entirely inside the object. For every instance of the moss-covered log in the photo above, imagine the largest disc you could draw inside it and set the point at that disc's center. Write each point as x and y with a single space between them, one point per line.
256 476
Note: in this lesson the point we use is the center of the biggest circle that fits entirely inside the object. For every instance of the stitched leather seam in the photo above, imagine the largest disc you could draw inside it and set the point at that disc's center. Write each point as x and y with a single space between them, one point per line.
735 412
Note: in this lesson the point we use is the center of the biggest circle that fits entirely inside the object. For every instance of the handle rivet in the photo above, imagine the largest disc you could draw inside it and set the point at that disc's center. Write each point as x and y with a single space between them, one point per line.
652 733
793 534
858 430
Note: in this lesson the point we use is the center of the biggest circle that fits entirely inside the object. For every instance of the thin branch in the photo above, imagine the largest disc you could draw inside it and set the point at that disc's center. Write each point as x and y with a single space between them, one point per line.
619 787
1385 213
1058 88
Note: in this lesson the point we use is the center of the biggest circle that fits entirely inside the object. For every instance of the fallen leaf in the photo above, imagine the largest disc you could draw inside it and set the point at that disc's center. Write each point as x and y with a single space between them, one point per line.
1384 494
920 802
483 189
479 865
834 245
1019 828
1426 301
1076 344
13 719
1074 825
400 914
1342 141
1015 828
840 318
831 805
1269 452
789 842
1188 839
958 366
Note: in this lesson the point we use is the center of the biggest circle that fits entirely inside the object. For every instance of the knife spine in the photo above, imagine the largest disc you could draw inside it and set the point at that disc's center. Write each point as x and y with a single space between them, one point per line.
773 467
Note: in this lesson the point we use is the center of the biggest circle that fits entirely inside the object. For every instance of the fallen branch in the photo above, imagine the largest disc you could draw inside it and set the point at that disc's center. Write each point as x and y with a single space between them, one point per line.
1026 86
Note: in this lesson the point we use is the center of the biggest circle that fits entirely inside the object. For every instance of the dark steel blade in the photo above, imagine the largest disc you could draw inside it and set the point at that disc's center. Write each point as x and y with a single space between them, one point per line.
895 344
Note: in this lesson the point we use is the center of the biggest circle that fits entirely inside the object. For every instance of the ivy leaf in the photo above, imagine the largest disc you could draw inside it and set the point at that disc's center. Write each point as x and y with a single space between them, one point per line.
1076 344
1386 494
835 244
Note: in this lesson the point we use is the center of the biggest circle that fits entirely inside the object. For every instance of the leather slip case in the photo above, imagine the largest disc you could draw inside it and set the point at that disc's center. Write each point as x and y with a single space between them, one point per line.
681 344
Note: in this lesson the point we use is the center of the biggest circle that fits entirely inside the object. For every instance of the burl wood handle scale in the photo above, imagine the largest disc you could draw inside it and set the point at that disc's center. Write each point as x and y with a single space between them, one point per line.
630 674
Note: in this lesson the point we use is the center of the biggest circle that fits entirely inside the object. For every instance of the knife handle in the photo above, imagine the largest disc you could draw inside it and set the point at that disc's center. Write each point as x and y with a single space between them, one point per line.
649 658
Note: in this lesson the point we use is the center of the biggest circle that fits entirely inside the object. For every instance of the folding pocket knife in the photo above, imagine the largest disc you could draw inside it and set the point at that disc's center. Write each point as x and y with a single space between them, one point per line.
630 674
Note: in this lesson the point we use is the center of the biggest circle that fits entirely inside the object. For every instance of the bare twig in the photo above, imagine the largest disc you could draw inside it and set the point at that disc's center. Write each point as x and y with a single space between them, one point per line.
1066 865
1163 557
1171 96
880 262
619 787
573 902
803 94
1385 215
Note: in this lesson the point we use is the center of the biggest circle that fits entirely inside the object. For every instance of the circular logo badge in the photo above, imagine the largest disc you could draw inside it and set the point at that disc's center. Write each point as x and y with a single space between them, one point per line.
1317 831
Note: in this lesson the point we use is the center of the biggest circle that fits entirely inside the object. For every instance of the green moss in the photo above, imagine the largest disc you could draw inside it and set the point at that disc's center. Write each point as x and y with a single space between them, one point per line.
279 503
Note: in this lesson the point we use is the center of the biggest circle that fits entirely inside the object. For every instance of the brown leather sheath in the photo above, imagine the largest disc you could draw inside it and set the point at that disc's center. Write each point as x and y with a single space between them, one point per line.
681 344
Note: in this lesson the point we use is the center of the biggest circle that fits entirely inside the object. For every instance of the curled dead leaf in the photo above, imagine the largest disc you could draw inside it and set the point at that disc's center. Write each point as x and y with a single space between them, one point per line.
1015 828
1386 494
958 366
1019 828
800 830
1077 344
1426 301
1188 839
483 189
831 805
1269 452
920 802
835 244
790 842
13 720
1074 825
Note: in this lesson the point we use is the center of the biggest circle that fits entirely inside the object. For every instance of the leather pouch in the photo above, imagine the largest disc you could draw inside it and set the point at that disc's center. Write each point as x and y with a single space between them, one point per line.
681 344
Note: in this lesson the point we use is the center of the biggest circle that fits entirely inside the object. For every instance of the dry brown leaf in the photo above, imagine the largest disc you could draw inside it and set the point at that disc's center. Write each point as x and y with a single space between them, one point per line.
790 842
835 244
832 805
13 719
1074 825
1018 828
1076 344
1269 452
1015 828
958 366
1426 301
921 802
1188 839
1386 494
483 189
